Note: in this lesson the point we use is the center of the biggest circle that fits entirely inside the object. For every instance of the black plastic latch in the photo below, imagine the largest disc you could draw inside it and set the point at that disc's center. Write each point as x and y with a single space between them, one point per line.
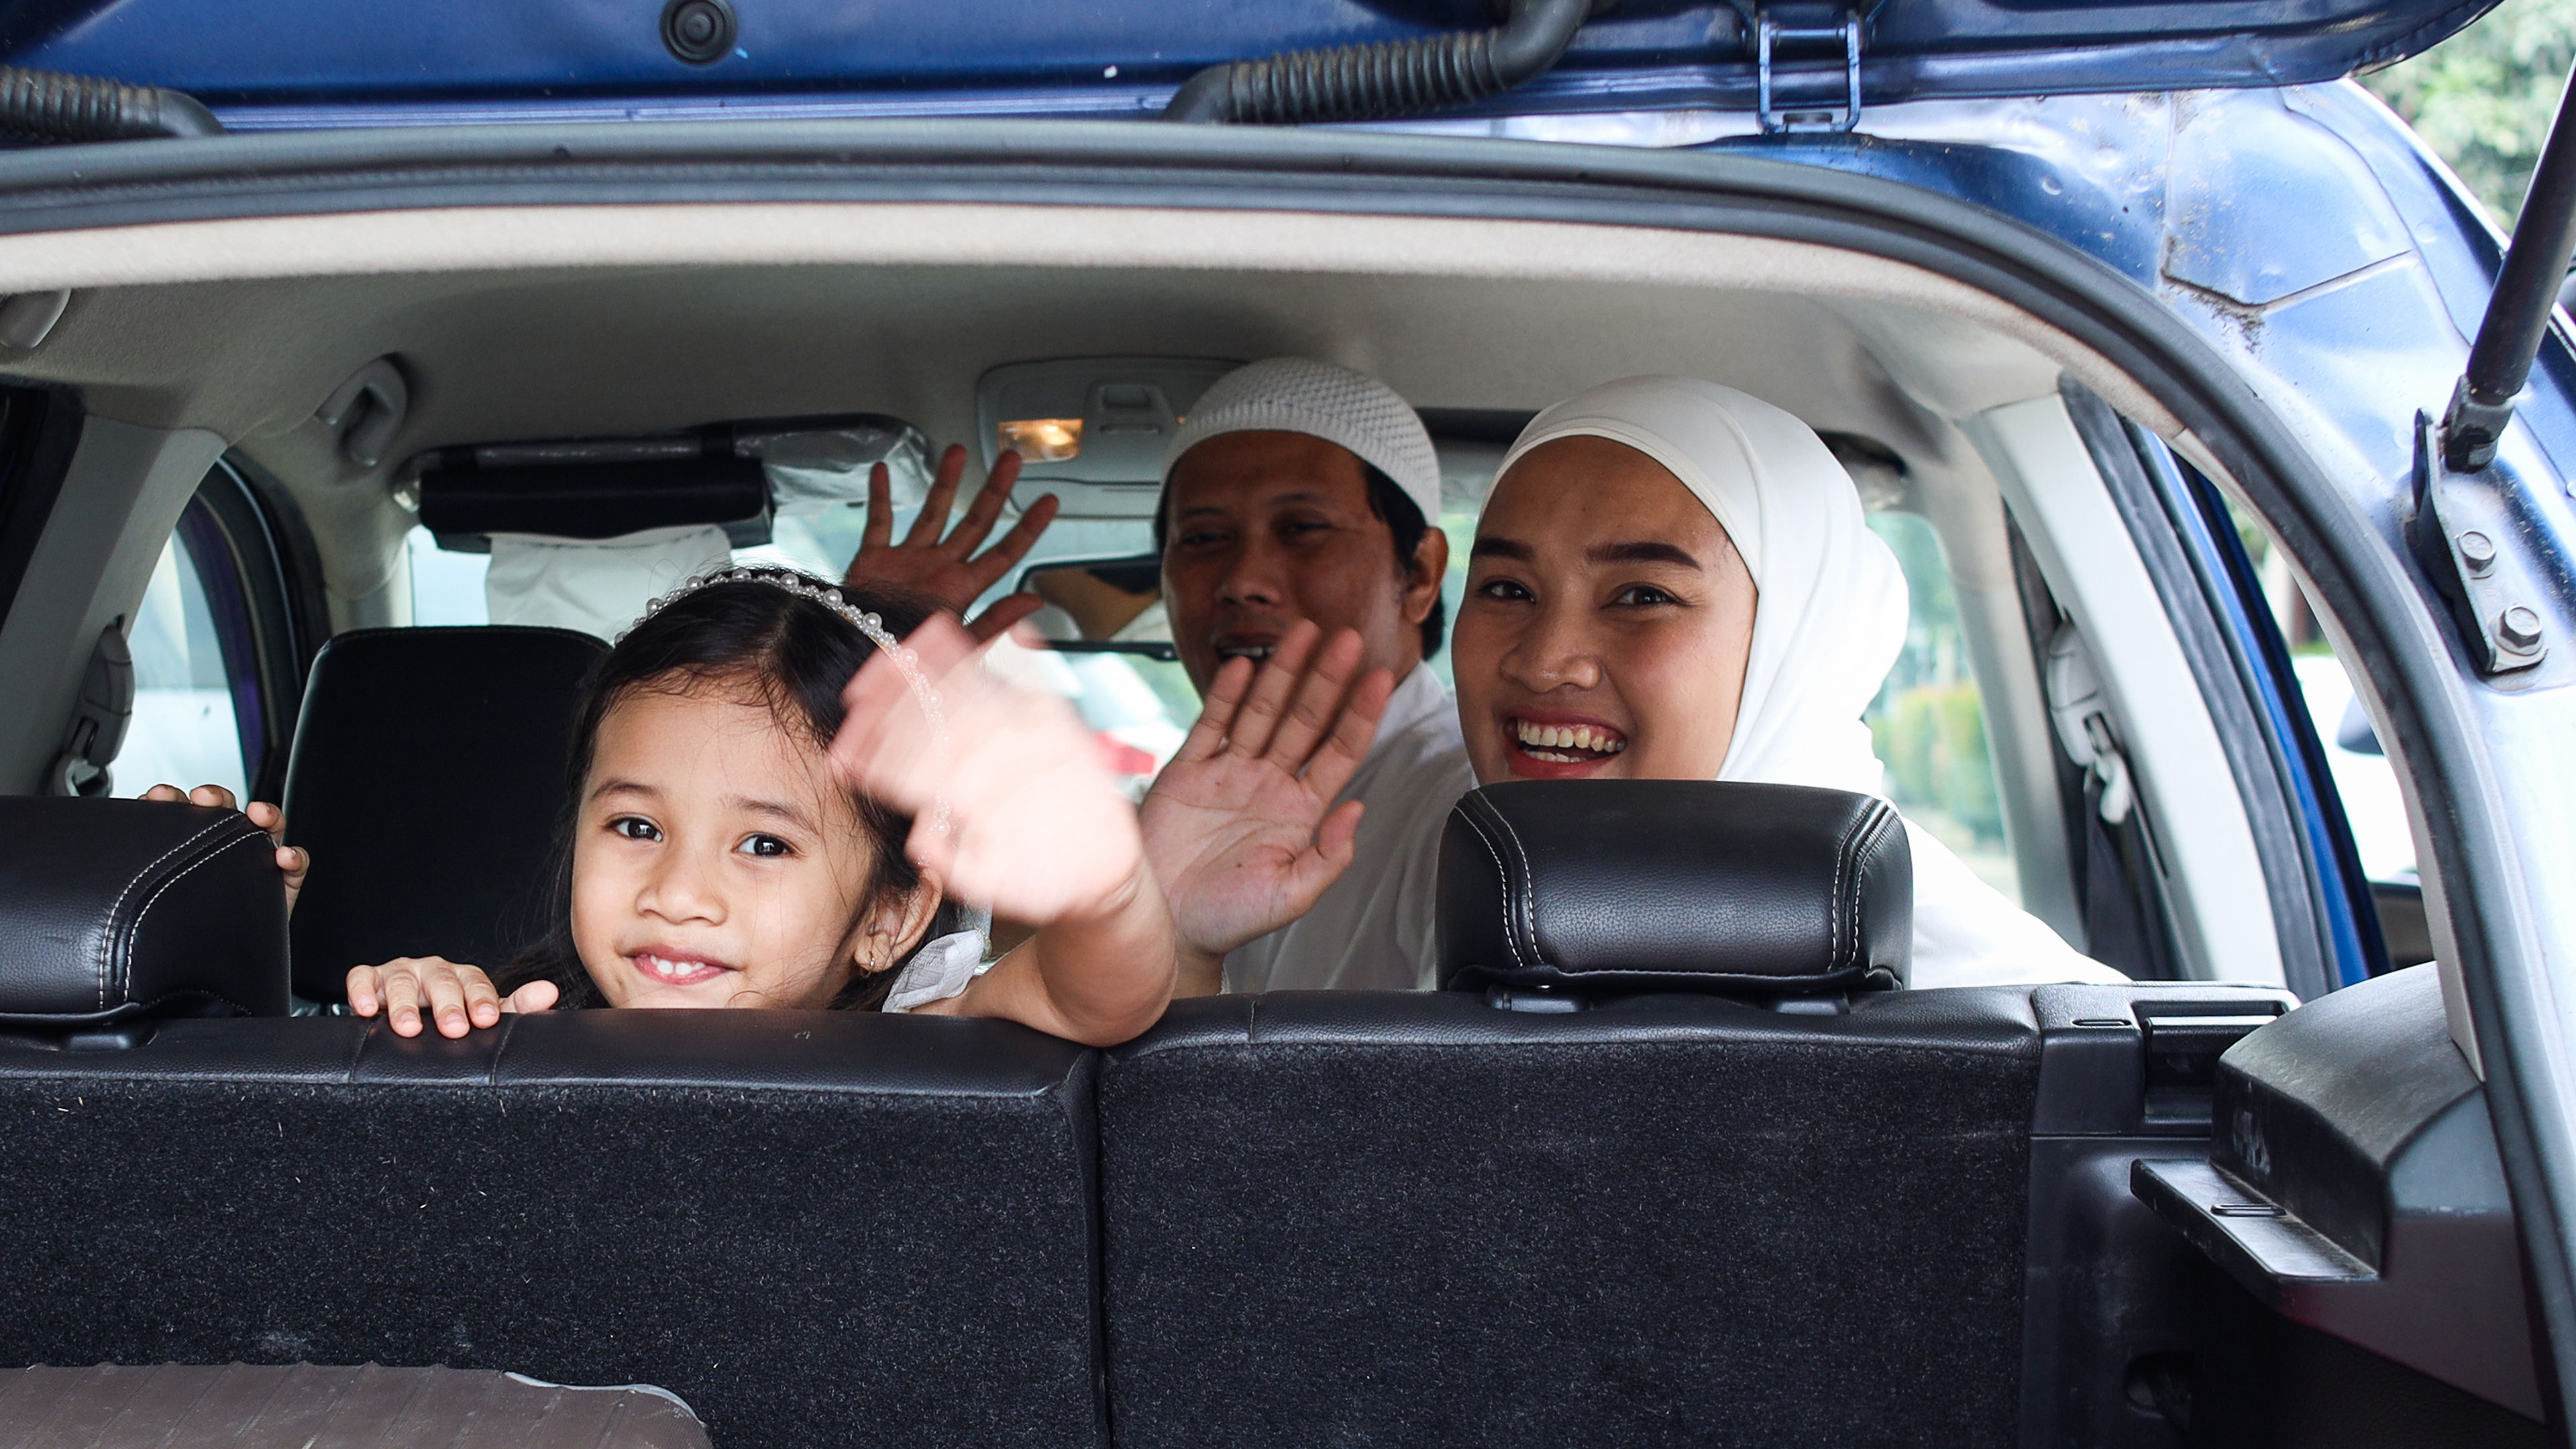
99 718
1539 999
2183 1051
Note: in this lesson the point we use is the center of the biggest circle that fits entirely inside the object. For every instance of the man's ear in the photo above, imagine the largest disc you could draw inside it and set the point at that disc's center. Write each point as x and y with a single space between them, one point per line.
1422 580
896 922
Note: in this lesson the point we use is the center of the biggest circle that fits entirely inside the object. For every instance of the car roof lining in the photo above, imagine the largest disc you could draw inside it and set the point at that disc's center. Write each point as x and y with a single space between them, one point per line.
595 320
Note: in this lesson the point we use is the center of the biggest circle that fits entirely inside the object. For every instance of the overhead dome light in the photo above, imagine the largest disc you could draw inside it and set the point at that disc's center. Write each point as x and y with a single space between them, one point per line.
1042 440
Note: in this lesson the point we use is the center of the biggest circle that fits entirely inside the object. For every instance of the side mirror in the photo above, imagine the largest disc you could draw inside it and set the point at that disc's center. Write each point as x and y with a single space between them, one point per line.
1103 606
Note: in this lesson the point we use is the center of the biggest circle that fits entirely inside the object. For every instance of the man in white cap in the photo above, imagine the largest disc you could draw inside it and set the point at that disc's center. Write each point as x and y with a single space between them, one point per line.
1297 490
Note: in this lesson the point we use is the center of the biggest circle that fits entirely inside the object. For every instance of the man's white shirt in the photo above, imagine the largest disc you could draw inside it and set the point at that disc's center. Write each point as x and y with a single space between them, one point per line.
1374 930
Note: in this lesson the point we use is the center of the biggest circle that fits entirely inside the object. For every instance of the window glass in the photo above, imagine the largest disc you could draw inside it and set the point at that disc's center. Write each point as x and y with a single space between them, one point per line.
2363 776
1929 722
184 731
1139 708
446 587
1460 526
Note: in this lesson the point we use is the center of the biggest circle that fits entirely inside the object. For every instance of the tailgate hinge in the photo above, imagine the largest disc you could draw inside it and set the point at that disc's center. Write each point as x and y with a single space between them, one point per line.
1773 38
2468 536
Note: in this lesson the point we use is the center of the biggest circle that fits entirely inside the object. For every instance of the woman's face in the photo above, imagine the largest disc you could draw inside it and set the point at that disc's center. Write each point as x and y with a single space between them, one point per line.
1606 623
717 863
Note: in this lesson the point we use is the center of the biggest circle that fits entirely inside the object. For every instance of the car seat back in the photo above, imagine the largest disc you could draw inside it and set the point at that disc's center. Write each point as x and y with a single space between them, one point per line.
428 779
1606 1194
815 1227
1386 1218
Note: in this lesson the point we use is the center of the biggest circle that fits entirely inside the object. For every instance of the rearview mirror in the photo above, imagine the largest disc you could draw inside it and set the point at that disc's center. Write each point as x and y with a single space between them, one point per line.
1103 606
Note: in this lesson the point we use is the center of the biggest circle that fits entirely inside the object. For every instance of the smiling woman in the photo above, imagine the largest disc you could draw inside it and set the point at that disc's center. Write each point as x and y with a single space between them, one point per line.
1674 580
1641 585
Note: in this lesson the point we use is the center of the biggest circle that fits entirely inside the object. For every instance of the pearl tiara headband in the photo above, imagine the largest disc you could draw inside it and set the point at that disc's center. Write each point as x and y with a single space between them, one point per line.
866 623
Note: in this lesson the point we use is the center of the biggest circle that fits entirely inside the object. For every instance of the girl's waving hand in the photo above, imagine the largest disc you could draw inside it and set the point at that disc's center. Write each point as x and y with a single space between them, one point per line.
1014 809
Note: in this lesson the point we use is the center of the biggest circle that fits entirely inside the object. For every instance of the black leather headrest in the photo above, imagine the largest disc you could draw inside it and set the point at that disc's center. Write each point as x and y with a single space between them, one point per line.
427 779
1665 885
111 910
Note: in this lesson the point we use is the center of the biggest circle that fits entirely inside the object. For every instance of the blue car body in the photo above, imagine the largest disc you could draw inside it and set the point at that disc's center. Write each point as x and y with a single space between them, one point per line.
301 62
2216 160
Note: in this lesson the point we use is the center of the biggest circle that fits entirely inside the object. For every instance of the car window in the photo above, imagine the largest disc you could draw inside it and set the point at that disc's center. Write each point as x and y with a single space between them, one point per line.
1929 721
185 730
2363 776
446 584
1139 708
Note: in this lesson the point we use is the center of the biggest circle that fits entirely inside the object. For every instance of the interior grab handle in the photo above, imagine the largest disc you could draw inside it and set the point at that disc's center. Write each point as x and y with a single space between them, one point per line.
368 410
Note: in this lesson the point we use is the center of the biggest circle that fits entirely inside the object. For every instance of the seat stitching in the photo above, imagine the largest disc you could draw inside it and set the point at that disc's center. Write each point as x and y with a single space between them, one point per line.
1484 838
1528 890
1880 815
107 938
1844 854
1884 822
1502 873
136 934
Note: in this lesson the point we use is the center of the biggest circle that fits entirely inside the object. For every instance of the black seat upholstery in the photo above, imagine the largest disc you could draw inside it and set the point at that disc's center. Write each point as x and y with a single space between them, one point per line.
1374 1218
1594 887
817 1228
1607 1214
427 778
112 911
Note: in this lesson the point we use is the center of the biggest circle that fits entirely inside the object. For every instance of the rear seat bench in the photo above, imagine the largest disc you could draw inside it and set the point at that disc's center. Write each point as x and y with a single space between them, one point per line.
1585 1200
815 1227
1372 1219
1630 1212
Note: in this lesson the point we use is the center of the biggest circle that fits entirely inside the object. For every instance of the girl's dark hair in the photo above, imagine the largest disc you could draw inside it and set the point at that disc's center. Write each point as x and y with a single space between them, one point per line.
793 652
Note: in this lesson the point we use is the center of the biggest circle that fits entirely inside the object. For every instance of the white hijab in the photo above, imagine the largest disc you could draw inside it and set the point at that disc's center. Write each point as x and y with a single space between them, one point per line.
1830 621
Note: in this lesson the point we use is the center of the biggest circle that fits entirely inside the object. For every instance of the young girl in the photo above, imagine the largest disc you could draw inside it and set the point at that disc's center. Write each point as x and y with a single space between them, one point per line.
776 805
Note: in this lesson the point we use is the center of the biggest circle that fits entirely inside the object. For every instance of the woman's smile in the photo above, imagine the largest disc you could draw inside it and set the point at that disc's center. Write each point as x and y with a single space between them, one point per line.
1554 744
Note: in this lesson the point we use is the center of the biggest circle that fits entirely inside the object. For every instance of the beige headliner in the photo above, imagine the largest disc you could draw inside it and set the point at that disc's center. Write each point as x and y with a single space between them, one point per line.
554 320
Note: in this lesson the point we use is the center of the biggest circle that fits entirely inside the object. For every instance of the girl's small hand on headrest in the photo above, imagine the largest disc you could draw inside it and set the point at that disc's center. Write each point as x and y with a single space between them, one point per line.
1036 828
292 860
458 997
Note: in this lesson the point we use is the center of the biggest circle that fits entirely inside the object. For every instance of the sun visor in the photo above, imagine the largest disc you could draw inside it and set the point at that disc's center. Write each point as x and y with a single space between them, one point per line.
468 507
734 475
584 532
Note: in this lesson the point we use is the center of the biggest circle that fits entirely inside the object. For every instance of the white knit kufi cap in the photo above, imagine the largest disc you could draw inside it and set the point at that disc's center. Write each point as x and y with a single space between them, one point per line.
1298 395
